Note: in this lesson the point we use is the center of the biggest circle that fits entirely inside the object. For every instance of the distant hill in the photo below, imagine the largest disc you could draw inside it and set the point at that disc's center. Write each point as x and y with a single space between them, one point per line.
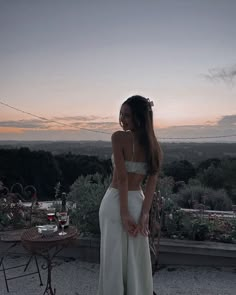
193 152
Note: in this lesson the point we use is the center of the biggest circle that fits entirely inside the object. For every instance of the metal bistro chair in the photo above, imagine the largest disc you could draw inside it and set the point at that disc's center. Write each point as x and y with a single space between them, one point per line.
13 238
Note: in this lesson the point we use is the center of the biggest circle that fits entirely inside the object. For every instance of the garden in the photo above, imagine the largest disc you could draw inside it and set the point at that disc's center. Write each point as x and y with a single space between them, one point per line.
14 214
194 213
192 203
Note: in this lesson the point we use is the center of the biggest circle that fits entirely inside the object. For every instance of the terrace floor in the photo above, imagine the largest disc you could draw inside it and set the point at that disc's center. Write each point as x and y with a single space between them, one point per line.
74 277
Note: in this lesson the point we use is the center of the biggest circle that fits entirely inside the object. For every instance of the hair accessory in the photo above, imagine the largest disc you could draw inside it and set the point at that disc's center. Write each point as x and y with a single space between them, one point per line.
150 102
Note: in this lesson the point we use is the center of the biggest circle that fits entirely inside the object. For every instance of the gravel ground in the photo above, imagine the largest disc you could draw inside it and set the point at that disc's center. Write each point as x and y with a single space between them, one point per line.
73 277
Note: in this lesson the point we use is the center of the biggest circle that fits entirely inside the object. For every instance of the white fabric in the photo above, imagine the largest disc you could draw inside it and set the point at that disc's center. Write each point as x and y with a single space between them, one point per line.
125 264
136 167
133 167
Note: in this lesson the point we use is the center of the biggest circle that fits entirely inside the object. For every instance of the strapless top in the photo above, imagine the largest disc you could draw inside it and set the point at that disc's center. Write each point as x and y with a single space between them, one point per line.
133 167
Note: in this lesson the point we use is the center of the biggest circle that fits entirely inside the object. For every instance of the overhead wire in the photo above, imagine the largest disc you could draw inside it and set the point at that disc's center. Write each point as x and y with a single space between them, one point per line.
104 132
51 121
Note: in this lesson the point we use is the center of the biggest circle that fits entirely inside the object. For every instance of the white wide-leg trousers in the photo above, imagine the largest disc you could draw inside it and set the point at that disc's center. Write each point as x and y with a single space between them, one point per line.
125 263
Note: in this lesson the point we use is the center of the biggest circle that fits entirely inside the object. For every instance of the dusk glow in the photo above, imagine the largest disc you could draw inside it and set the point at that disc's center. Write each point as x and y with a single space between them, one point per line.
74 62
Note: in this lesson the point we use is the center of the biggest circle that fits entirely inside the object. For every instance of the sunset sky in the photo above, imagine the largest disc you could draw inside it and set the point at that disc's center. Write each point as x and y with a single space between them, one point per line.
73 62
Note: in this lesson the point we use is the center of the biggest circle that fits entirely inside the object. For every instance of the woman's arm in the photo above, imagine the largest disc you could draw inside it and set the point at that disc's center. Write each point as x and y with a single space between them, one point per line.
147 203
122 181
149 192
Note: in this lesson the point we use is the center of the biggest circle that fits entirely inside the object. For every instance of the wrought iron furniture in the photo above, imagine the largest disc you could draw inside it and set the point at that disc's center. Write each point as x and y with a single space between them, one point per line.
12 239
47 247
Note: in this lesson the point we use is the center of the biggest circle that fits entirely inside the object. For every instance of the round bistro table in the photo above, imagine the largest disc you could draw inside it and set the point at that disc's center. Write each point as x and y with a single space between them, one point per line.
47 247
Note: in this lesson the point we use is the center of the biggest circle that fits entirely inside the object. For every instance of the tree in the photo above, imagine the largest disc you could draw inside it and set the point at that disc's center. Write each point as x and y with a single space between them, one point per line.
212 177
215 162
37 168
181 170
220 175
73 166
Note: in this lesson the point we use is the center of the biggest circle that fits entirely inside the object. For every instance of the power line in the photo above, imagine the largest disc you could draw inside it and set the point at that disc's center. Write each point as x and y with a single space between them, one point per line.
50 121
103 132
201 137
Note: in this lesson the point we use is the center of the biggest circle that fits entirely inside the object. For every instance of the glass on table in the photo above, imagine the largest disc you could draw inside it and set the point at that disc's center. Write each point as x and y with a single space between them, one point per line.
51 215
62 218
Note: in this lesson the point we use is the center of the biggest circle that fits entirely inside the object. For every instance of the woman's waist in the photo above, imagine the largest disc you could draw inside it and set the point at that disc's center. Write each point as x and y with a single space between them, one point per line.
130 189
133 185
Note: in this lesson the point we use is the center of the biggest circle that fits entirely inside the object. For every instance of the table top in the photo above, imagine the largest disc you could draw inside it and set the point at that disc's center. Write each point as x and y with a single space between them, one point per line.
33 241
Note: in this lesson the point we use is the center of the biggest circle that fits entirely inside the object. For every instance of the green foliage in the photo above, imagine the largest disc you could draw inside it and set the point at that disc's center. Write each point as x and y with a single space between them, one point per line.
200 230
218 174
187 196
215 162
73 166
213 173
174 223
87 193
169 205
12 212
181 225
24 166
222 230
218 200
45 171
166 185
197 226
180 170
192 196
212 177
229 168
194 182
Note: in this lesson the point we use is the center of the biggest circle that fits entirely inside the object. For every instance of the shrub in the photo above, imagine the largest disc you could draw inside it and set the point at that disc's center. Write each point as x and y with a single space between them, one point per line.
181 170
87 192
212 177
218 200
181 225
174 223
166 185
218 174
12 212
200 230
192 196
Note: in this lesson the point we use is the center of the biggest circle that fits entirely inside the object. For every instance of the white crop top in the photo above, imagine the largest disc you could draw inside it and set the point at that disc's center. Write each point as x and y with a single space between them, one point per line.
132 166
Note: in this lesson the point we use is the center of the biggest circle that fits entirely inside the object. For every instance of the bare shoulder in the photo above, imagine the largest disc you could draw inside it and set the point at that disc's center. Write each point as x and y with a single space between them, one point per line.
119 137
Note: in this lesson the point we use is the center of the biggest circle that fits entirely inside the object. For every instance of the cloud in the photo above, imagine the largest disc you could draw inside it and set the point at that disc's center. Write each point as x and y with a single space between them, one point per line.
102 130
97 125
222 130
73 123
26 124
80 118
226 74
228 121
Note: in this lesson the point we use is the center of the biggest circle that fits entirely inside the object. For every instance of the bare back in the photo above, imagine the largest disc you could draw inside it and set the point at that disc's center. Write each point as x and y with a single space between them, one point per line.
132 152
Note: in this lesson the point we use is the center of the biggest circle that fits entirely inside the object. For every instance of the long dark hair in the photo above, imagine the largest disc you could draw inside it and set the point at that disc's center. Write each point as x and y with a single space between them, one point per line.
141 109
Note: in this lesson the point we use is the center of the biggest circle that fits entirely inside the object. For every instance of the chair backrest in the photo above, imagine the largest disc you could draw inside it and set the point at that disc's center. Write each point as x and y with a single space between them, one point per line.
11 207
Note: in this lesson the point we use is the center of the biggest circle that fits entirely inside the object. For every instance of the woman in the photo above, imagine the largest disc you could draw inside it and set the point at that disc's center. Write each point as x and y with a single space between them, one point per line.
125 264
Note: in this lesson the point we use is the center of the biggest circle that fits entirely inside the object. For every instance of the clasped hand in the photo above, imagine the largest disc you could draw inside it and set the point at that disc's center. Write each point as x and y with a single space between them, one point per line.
134 228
